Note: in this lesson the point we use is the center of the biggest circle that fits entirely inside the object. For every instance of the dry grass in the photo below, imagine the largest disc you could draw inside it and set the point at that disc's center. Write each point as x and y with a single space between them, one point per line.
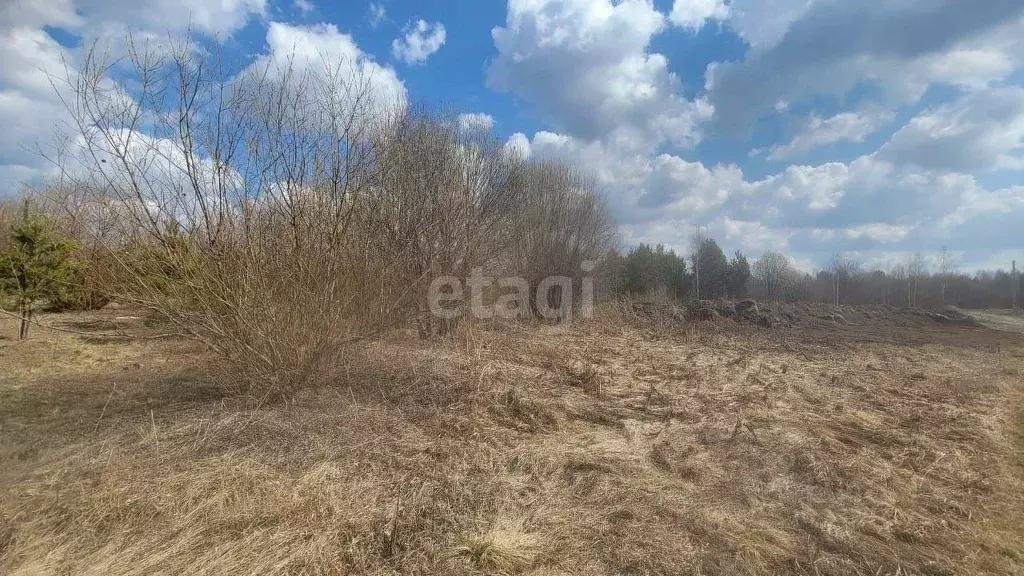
601 449
1007 320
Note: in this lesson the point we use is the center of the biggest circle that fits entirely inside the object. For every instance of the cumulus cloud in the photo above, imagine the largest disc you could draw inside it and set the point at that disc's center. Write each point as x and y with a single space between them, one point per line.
38 13
476 122
585 66
843 127
981 131
832 46
159 16
608 103
866 204
692 14
762 23
519 145
420 41
31 111
30 107
320 48
642 189
170 189
882 233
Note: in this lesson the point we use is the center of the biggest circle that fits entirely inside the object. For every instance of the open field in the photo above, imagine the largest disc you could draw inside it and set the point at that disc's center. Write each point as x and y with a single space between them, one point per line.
631 446
1001 319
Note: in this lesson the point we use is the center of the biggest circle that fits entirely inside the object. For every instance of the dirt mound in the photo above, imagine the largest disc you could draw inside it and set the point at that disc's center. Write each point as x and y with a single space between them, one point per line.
811 314
702 310
819 320
747 306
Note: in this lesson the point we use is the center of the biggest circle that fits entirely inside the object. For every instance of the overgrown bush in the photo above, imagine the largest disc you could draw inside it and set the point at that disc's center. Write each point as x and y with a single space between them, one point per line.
284 213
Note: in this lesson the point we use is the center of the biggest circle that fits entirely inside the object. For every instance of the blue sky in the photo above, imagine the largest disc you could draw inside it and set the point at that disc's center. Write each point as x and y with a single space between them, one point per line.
808 126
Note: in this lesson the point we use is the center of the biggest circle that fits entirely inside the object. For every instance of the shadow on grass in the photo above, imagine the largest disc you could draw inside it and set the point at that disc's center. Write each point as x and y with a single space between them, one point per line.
45 413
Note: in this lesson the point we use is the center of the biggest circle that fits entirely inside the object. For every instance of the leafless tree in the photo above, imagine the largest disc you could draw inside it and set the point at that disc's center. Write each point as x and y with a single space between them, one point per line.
771 272
233 199
561 223
916 269
843 269
282 212
896 274
696 241
440 204
946 268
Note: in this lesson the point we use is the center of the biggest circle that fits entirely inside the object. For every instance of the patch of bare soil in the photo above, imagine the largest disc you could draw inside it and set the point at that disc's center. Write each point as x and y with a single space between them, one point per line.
1002 320
626 446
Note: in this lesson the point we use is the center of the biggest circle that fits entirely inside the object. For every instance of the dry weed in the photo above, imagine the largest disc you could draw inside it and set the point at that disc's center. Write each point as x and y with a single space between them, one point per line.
512 450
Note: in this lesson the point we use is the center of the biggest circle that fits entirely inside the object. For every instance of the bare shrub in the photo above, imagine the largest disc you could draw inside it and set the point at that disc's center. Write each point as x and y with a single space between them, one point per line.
281 213
562 223
771 272
440 206
231 199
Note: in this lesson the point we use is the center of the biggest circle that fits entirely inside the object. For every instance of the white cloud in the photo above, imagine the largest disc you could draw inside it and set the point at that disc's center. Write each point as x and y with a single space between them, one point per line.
321 48
31 111
881 233
981 131
902 47
971 68
642 189
692 14
31 59
762 23
518 144
421 40
612 105
843 127
37 13
376 15
585 67
30 107
609 103
867 204
476 122
96 18
161 16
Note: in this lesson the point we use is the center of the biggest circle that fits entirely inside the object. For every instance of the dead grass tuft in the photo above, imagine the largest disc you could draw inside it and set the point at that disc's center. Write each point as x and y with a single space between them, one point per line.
505 548
584 376
514 450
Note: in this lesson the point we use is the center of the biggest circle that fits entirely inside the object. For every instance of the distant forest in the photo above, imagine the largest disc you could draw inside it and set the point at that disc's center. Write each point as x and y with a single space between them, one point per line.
656 272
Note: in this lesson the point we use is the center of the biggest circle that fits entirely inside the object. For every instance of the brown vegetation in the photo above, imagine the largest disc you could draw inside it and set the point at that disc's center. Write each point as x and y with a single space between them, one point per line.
274 235
624 446
281 215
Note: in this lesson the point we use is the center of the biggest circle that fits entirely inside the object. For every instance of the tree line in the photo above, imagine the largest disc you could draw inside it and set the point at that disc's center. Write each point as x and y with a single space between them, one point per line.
656 272
282 214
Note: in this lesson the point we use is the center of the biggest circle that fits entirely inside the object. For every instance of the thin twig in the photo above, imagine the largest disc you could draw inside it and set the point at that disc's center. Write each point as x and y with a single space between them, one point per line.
105 404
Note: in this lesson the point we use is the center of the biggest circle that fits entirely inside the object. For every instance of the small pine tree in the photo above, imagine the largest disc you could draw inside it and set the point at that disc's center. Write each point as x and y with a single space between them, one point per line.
739 274
36 265
713 269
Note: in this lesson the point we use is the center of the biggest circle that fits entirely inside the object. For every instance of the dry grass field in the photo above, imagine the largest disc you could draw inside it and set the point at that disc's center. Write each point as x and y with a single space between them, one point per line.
615 447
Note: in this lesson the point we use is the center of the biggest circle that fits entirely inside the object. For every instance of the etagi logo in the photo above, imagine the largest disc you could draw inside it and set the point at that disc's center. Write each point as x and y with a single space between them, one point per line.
512 296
